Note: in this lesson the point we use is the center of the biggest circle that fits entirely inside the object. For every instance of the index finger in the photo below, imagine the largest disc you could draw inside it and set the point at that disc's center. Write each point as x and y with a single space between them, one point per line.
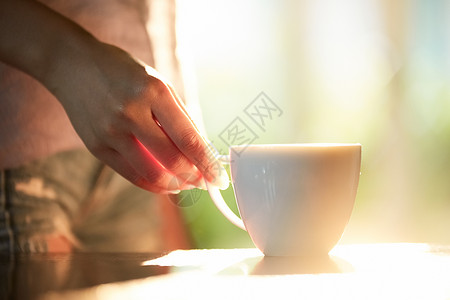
177 124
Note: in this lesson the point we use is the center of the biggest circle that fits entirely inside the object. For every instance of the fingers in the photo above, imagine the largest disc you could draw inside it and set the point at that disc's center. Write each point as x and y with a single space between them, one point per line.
154 139
162 149
181 104
177 124
136 164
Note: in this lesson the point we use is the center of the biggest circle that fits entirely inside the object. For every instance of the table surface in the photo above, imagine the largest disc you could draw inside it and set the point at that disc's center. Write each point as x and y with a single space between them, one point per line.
365 271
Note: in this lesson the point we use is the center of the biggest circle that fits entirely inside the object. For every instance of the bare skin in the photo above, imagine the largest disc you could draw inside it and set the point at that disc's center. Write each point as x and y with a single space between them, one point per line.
125 113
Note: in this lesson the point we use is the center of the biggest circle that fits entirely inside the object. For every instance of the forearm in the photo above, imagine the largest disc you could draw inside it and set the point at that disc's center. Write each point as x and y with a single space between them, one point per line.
37 40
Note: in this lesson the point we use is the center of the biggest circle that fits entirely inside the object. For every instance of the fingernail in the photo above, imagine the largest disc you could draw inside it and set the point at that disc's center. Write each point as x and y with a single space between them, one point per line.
189 187
201 184
174 192
222 181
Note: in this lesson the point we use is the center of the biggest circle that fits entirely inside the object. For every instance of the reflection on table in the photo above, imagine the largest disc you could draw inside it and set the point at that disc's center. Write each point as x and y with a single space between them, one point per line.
371 271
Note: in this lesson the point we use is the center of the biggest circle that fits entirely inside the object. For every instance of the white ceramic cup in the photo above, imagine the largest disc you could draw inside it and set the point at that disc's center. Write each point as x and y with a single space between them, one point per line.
294 199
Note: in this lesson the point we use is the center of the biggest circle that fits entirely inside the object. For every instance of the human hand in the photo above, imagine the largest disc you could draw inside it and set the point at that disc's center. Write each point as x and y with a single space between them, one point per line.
127 115
132 119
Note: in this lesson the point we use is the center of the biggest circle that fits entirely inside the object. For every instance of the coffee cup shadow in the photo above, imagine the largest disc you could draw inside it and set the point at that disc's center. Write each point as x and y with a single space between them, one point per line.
273 265
280 265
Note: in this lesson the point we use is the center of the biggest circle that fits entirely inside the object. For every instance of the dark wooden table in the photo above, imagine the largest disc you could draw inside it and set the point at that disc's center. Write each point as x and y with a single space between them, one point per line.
366 271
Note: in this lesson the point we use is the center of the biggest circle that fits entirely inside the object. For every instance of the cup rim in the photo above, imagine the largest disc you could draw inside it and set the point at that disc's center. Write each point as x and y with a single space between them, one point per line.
299 145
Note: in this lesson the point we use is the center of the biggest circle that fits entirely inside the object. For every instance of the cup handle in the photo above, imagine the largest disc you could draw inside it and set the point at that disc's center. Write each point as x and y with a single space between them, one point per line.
217 198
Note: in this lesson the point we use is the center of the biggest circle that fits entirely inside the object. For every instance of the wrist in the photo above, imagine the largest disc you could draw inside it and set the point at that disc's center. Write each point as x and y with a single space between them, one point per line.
68 55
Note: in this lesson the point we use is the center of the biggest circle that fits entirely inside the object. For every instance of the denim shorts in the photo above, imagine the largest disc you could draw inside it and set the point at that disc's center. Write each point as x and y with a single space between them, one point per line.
74 196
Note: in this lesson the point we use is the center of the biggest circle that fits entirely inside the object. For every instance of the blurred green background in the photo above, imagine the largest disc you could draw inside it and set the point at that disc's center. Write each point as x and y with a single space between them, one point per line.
375 72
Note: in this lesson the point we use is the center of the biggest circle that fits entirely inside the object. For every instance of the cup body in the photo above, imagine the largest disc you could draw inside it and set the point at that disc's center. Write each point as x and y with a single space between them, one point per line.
295 199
